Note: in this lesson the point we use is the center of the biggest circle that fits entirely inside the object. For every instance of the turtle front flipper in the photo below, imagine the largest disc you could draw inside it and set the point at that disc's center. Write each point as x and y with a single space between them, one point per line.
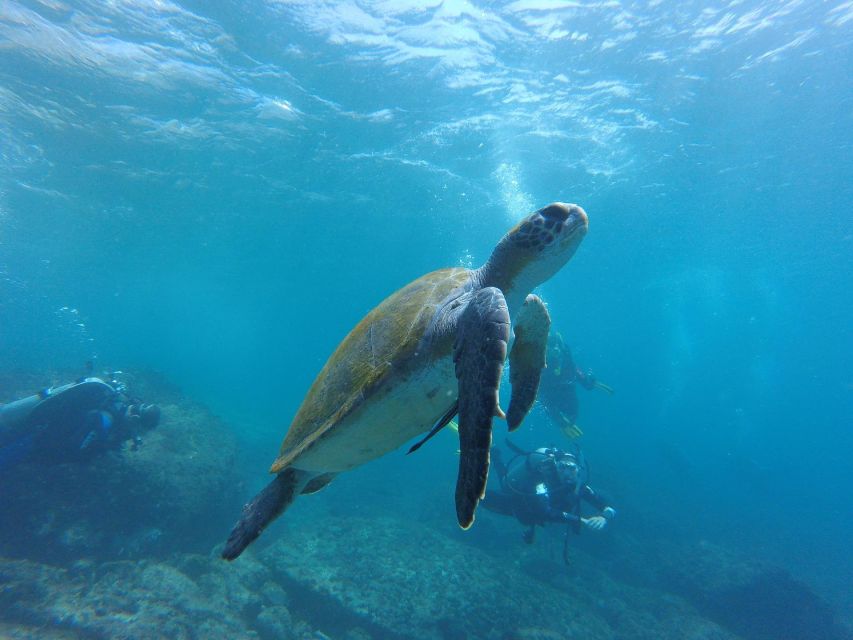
479 353
527 357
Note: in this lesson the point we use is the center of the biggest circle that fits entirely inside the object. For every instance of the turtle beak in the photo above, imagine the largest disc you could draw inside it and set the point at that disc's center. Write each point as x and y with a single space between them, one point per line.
573 216
558 212
568 218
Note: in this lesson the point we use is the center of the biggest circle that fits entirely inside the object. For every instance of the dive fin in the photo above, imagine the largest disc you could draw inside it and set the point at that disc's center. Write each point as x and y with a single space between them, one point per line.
570 429
604 387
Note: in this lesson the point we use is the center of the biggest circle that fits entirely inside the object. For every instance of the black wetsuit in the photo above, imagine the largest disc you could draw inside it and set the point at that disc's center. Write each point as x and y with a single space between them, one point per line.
69 423
558 386
535 497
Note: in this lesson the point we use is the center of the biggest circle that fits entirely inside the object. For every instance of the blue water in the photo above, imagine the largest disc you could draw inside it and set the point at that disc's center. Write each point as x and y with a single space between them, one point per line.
219 191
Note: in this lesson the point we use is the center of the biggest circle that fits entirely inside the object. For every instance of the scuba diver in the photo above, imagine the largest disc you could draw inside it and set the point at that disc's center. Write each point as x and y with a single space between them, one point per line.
72 422
558 386
546 485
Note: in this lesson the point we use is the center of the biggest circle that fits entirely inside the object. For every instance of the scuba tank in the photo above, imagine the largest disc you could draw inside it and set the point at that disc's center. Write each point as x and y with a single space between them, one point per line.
18 419
526 464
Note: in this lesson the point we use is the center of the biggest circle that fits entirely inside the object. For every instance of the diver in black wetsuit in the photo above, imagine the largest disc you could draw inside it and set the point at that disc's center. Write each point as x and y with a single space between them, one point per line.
558 386
73 422
546 485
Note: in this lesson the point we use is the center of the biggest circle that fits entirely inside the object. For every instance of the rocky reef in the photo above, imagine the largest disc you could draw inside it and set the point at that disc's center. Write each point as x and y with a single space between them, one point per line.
128 549
400 579
354 578
350 578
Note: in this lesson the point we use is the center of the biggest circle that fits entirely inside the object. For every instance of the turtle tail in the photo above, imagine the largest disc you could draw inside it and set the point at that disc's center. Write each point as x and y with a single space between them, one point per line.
265 507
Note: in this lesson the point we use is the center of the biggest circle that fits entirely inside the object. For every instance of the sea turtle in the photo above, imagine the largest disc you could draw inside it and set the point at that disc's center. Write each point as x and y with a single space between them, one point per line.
431 350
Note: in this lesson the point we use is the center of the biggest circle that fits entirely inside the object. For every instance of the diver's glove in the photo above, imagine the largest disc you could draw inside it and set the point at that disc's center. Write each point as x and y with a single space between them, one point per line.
609 513
595 522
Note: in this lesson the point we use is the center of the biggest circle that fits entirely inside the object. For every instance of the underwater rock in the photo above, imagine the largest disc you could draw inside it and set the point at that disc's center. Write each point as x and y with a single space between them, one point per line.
328 574
756 601
140 501
19 632
275 623
141 600
399 579
274 593
344 578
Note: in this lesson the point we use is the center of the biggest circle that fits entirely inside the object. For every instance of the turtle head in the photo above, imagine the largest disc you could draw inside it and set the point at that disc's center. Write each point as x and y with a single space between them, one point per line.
536 248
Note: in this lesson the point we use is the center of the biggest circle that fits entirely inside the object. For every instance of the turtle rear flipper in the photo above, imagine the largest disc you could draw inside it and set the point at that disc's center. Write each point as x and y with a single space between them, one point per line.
479 354
265 507
317 483
527 357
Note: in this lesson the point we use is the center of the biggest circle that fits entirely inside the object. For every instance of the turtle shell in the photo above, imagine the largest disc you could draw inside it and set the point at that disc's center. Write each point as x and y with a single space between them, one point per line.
380 349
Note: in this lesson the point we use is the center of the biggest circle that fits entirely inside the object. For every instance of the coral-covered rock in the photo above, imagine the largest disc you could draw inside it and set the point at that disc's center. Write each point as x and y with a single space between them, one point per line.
139 600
